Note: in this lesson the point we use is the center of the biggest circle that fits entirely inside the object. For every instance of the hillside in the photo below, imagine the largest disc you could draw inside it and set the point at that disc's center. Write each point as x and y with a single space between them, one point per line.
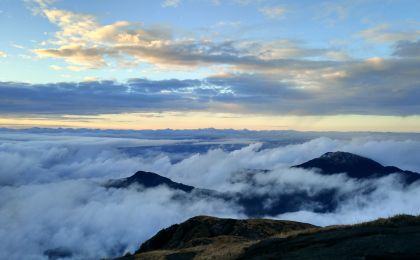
213 238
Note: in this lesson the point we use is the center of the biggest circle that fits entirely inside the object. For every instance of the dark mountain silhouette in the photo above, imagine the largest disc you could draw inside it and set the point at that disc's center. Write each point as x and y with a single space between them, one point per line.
355 166
199 231
392 238
147 180
214 238
255 204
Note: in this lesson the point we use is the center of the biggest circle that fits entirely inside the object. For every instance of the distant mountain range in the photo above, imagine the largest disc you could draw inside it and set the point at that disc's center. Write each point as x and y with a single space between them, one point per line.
255 205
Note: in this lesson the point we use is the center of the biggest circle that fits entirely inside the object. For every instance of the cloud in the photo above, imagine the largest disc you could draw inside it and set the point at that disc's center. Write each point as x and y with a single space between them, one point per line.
90 58
212 174
157 47
3 54
390 198
109 222
273 12
43 3
99 97
56 67
407 49
170 3
63 157
88 79
373 86
383 33
37 6
81 40
338 55
17 46
51 197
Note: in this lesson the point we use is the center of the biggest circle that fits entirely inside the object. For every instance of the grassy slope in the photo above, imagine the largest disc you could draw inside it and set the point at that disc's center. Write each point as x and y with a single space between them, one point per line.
393 238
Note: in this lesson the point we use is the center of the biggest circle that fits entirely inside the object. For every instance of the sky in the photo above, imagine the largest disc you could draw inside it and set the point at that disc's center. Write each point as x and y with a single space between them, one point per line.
304 65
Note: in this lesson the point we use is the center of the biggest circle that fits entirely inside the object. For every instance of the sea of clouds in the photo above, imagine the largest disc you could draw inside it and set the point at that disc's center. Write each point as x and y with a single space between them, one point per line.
52 197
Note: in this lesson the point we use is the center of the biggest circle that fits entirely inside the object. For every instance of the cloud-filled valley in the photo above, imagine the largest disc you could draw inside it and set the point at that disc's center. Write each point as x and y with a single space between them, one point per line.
52 193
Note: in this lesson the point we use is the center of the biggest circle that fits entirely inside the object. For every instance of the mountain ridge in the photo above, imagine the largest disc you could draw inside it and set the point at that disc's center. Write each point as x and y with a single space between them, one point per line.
391 238
254 205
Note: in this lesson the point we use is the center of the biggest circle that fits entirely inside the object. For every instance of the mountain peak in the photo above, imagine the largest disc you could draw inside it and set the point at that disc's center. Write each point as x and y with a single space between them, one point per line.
355 166
148 180
341 154
349 159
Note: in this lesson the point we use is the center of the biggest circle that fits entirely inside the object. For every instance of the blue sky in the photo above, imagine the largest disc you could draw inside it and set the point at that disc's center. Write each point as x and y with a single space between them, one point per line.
260 58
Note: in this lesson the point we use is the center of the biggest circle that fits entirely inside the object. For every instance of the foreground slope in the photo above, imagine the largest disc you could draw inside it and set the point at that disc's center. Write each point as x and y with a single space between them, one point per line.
213 238
210 236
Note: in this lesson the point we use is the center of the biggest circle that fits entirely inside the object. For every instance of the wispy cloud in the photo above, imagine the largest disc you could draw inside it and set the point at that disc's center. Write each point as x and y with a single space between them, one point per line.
383 33
273 12
56 67
17 46
171 3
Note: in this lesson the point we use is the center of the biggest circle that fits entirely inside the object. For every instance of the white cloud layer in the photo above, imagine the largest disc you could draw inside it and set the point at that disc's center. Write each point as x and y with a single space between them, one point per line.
51 197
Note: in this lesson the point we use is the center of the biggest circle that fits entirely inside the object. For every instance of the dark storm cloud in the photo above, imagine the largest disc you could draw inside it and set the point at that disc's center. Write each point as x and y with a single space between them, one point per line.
94 97
375 86
378 87
138 95
408 49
